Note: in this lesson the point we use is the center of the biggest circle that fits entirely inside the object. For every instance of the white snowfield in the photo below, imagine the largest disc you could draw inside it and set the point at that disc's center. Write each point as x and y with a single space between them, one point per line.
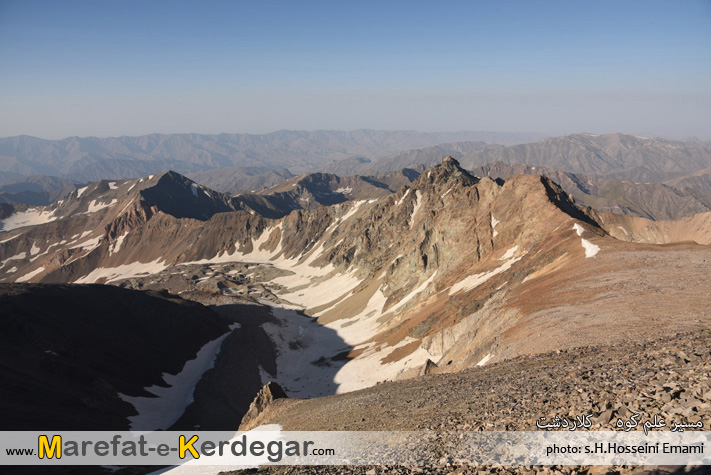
16 257
95 206
485 360
368 369
30 217
413 294
11 238
88 244
116 246
30 275
416 208
590 248
352 211
475 280
494 222
122 272
399 202
161 412
300 341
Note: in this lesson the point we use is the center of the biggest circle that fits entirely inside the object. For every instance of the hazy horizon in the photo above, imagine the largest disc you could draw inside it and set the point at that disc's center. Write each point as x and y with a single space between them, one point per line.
515 132
110 69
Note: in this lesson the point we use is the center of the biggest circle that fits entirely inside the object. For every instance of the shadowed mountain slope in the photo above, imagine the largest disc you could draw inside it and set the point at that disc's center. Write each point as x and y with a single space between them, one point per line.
69 351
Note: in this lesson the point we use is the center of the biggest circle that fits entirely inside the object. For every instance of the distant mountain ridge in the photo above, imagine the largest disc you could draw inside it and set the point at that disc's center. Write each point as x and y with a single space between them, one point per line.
91 158
36 190
420 157
235 179
655 201
625 157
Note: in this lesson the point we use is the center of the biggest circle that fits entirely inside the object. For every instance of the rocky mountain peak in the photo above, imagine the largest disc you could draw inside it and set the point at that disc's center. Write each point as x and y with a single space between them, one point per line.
445 175
181 197
449 160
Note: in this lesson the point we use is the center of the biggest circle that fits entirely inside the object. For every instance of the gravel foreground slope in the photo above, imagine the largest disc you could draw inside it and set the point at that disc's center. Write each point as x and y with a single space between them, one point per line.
669 377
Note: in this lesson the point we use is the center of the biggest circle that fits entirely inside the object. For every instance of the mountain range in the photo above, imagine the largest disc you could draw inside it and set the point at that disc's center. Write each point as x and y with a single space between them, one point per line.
407 272
92 159
602 171
364 284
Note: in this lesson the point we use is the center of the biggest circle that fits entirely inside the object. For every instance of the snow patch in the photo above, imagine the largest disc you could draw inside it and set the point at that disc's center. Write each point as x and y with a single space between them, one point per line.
16 257
590 248
368 369
11 270
578 229
352 211
162 411
399 202
31 217
484 360
116 247
413 294
344 190
476 280
10 239
509 253
81 191
34 249
494 222
30 275
96 206
90 243
112 185
316 294
122 272
299 342
363 326
194 189
416 208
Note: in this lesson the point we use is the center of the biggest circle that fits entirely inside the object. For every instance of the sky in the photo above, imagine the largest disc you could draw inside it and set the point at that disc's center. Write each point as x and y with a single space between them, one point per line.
112 68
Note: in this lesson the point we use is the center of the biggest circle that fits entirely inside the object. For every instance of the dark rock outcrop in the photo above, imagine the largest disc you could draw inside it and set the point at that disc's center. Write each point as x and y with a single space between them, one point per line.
268 394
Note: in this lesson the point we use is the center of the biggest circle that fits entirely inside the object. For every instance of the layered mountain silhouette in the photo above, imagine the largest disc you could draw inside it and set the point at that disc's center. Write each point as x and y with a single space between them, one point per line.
625 157
38 190
92 159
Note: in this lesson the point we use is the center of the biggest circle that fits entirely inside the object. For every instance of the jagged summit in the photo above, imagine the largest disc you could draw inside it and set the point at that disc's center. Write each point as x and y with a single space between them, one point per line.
179 196
449 160
445 175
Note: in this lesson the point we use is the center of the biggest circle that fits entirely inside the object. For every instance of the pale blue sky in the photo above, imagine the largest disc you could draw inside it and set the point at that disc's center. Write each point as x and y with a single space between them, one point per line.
109 68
